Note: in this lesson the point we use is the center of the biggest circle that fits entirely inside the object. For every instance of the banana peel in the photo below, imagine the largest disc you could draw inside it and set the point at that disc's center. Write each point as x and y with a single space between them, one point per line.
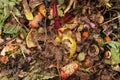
72 46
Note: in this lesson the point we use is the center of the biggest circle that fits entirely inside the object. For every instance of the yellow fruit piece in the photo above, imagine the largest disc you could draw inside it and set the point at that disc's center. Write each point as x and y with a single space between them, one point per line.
57 39
28 15
72 46
42 10
108 5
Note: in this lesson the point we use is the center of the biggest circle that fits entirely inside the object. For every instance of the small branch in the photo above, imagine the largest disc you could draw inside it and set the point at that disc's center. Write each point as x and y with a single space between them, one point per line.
5 42
18 20
15 17
118 13
23 54
45 27
111 20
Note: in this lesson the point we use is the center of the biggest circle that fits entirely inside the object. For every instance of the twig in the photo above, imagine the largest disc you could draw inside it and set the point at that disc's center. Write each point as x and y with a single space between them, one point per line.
18 20
112 8
118 13
45 27
23 54
5 42
111 20
15 17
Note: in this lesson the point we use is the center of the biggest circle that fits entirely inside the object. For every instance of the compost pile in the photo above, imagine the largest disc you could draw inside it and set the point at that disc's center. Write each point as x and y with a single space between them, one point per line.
59 39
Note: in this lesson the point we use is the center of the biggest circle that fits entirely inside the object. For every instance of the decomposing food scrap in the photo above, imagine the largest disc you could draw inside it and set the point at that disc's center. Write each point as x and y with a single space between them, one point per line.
59 40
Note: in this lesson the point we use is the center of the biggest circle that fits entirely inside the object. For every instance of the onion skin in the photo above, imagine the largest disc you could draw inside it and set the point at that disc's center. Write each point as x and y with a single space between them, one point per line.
92 25
107 54
86 26
58 20
55 16
55 12
67 17
64 19
57 23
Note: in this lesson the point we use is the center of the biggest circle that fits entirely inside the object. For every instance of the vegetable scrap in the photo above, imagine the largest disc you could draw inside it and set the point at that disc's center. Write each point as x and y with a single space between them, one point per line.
59 40
68 70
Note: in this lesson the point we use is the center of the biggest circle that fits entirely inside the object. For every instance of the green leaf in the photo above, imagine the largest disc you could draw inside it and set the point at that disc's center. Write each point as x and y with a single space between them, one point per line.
1 4
5 7
27 78
23 31
13 0
17 12
115 54
49 77
60 12
108 61
60 1
11 5
118 28
2 19
12 29
4 78
114 44
115 51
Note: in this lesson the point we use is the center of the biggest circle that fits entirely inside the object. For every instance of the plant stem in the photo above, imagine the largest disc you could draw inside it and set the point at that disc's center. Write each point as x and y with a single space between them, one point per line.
110 20
18 20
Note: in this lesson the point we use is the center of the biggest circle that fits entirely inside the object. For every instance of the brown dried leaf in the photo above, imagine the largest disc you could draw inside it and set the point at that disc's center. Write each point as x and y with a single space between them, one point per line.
34 3
97 18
